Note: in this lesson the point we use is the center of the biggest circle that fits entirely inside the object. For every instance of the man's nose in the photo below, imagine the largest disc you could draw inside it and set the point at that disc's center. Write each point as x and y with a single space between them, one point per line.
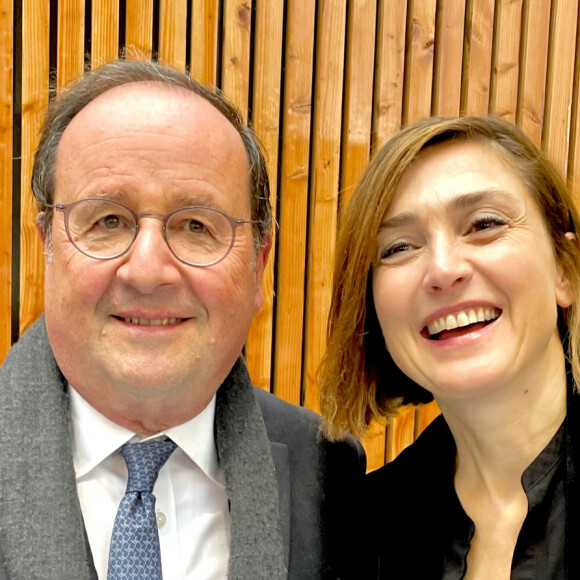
447 265
149 262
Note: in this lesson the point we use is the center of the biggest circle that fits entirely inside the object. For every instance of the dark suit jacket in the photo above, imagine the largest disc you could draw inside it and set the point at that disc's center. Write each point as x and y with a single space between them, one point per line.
289 491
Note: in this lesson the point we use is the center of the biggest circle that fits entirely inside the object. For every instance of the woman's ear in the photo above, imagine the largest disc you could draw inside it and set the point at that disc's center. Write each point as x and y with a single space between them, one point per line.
565 295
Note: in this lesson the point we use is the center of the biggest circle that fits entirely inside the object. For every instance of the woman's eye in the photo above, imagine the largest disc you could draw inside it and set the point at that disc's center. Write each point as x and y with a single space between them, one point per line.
486 223
394 249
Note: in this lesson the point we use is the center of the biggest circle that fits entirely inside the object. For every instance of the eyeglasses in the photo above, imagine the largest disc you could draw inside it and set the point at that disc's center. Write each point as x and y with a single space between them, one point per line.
104 229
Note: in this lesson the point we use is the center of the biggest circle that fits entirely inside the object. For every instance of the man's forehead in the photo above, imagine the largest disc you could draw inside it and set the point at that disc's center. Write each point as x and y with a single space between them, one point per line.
153 107
153 99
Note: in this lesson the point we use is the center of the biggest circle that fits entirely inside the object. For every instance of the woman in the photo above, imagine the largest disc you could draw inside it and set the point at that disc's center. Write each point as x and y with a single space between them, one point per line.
458 261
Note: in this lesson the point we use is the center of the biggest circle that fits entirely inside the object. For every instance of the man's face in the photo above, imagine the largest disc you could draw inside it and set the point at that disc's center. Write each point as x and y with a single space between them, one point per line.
144 338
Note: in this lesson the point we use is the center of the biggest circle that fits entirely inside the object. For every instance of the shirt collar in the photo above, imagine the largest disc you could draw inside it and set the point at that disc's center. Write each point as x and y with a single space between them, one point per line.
95 437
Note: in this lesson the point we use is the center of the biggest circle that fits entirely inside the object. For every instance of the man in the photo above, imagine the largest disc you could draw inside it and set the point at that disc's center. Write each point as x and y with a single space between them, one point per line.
155 220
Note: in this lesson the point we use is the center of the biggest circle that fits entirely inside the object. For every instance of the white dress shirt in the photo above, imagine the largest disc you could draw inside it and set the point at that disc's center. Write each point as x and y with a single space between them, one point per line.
192 503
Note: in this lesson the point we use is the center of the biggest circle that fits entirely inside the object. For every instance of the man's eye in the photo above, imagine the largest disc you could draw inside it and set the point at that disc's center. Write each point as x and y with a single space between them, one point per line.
195 227
110 222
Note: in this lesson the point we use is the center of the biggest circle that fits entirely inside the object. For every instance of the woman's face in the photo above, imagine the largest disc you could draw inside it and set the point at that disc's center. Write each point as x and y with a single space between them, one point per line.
466 285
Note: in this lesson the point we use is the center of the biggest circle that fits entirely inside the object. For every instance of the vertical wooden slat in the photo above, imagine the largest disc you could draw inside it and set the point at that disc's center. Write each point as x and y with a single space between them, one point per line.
425 415
139 29
389 74
71 41
324 184
534 67
556 131
265 118
478 49
358 99
449 55
237 22
573 176
505 76
356 140
105 32
6 132
35 65
296 123
420 64
204 41
400 432
173 33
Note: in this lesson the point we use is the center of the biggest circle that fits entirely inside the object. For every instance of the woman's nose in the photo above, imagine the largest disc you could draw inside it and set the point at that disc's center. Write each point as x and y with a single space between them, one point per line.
447 265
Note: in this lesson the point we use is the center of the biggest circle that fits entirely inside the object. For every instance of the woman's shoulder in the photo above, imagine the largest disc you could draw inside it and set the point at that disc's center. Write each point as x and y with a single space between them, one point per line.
433 450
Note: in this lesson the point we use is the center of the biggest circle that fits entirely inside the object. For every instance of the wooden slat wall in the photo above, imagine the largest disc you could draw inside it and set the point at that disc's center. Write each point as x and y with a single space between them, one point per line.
325 83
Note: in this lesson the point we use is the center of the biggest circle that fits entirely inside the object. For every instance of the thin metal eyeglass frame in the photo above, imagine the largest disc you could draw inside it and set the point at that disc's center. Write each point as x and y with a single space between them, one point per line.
66 208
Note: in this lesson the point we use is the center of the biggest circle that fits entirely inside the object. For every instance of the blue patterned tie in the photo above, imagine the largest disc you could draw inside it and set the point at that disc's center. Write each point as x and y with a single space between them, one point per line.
134 553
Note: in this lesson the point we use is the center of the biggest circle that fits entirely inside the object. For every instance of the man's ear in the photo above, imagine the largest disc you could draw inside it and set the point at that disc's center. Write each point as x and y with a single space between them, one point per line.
261 261
263 253
40 231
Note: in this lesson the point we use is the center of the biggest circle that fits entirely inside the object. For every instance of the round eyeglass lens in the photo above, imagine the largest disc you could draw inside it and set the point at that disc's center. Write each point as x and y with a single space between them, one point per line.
100 228
199 235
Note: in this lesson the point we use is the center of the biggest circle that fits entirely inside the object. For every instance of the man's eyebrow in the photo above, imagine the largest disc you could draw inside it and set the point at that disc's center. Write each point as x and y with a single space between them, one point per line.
185 200
192 200
460 201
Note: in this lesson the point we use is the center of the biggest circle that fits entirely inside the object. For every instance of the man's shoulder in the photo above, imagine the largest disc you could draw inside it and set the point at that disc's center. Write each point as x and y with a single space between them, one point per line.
289 423
31 350
277 409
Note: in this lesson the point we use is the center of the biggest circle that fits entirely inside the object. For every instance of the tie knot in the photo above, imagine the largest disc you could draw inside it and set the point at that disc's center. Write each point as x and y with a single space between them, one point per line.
144 460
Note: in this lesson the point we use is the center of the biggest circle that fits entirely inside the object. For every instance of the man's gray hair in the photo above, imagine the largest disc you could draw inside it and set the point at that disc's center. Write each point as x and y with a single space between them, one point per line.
66 106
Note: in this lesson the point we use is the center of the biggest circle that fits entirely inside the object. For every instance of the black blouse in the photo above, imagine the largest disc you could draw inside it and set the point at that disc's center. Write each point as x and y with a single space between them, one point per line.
416 527
540 549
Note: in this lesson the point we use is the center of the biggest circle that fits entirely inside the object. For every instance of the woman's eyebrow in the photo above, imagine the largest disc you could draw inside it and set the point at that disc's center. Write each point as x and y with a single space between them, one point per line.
460 201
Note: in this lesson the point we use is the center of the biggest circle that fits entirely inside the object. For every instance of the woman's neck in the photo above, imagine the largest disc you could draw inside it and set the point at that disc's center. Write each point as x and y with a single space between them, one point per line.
501 433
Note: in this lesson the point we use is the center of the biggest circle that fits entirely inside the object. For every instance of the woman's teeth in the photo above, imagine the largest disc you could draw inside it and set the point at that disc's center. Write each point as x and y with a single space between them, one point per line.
462 318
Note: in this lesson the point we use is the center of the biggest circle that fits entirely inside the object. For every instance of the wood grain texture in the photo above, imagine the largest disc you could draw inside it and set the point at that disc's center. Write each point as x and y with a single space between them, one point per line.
35 87
105 32
419 76
400 432
71 41
326 144
478 52
139 29
236 53
556 130
6 129
356 139
173 33
505 72
534 68
204 41
573 174
389 70
293 203
358 94
449 58
424 416
268 42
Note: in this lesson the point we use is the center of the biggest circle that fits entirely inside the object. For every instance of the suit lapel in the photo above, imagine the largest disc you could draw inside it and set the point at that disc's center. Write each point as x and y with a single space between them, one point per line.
246 456
282 468
41 526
